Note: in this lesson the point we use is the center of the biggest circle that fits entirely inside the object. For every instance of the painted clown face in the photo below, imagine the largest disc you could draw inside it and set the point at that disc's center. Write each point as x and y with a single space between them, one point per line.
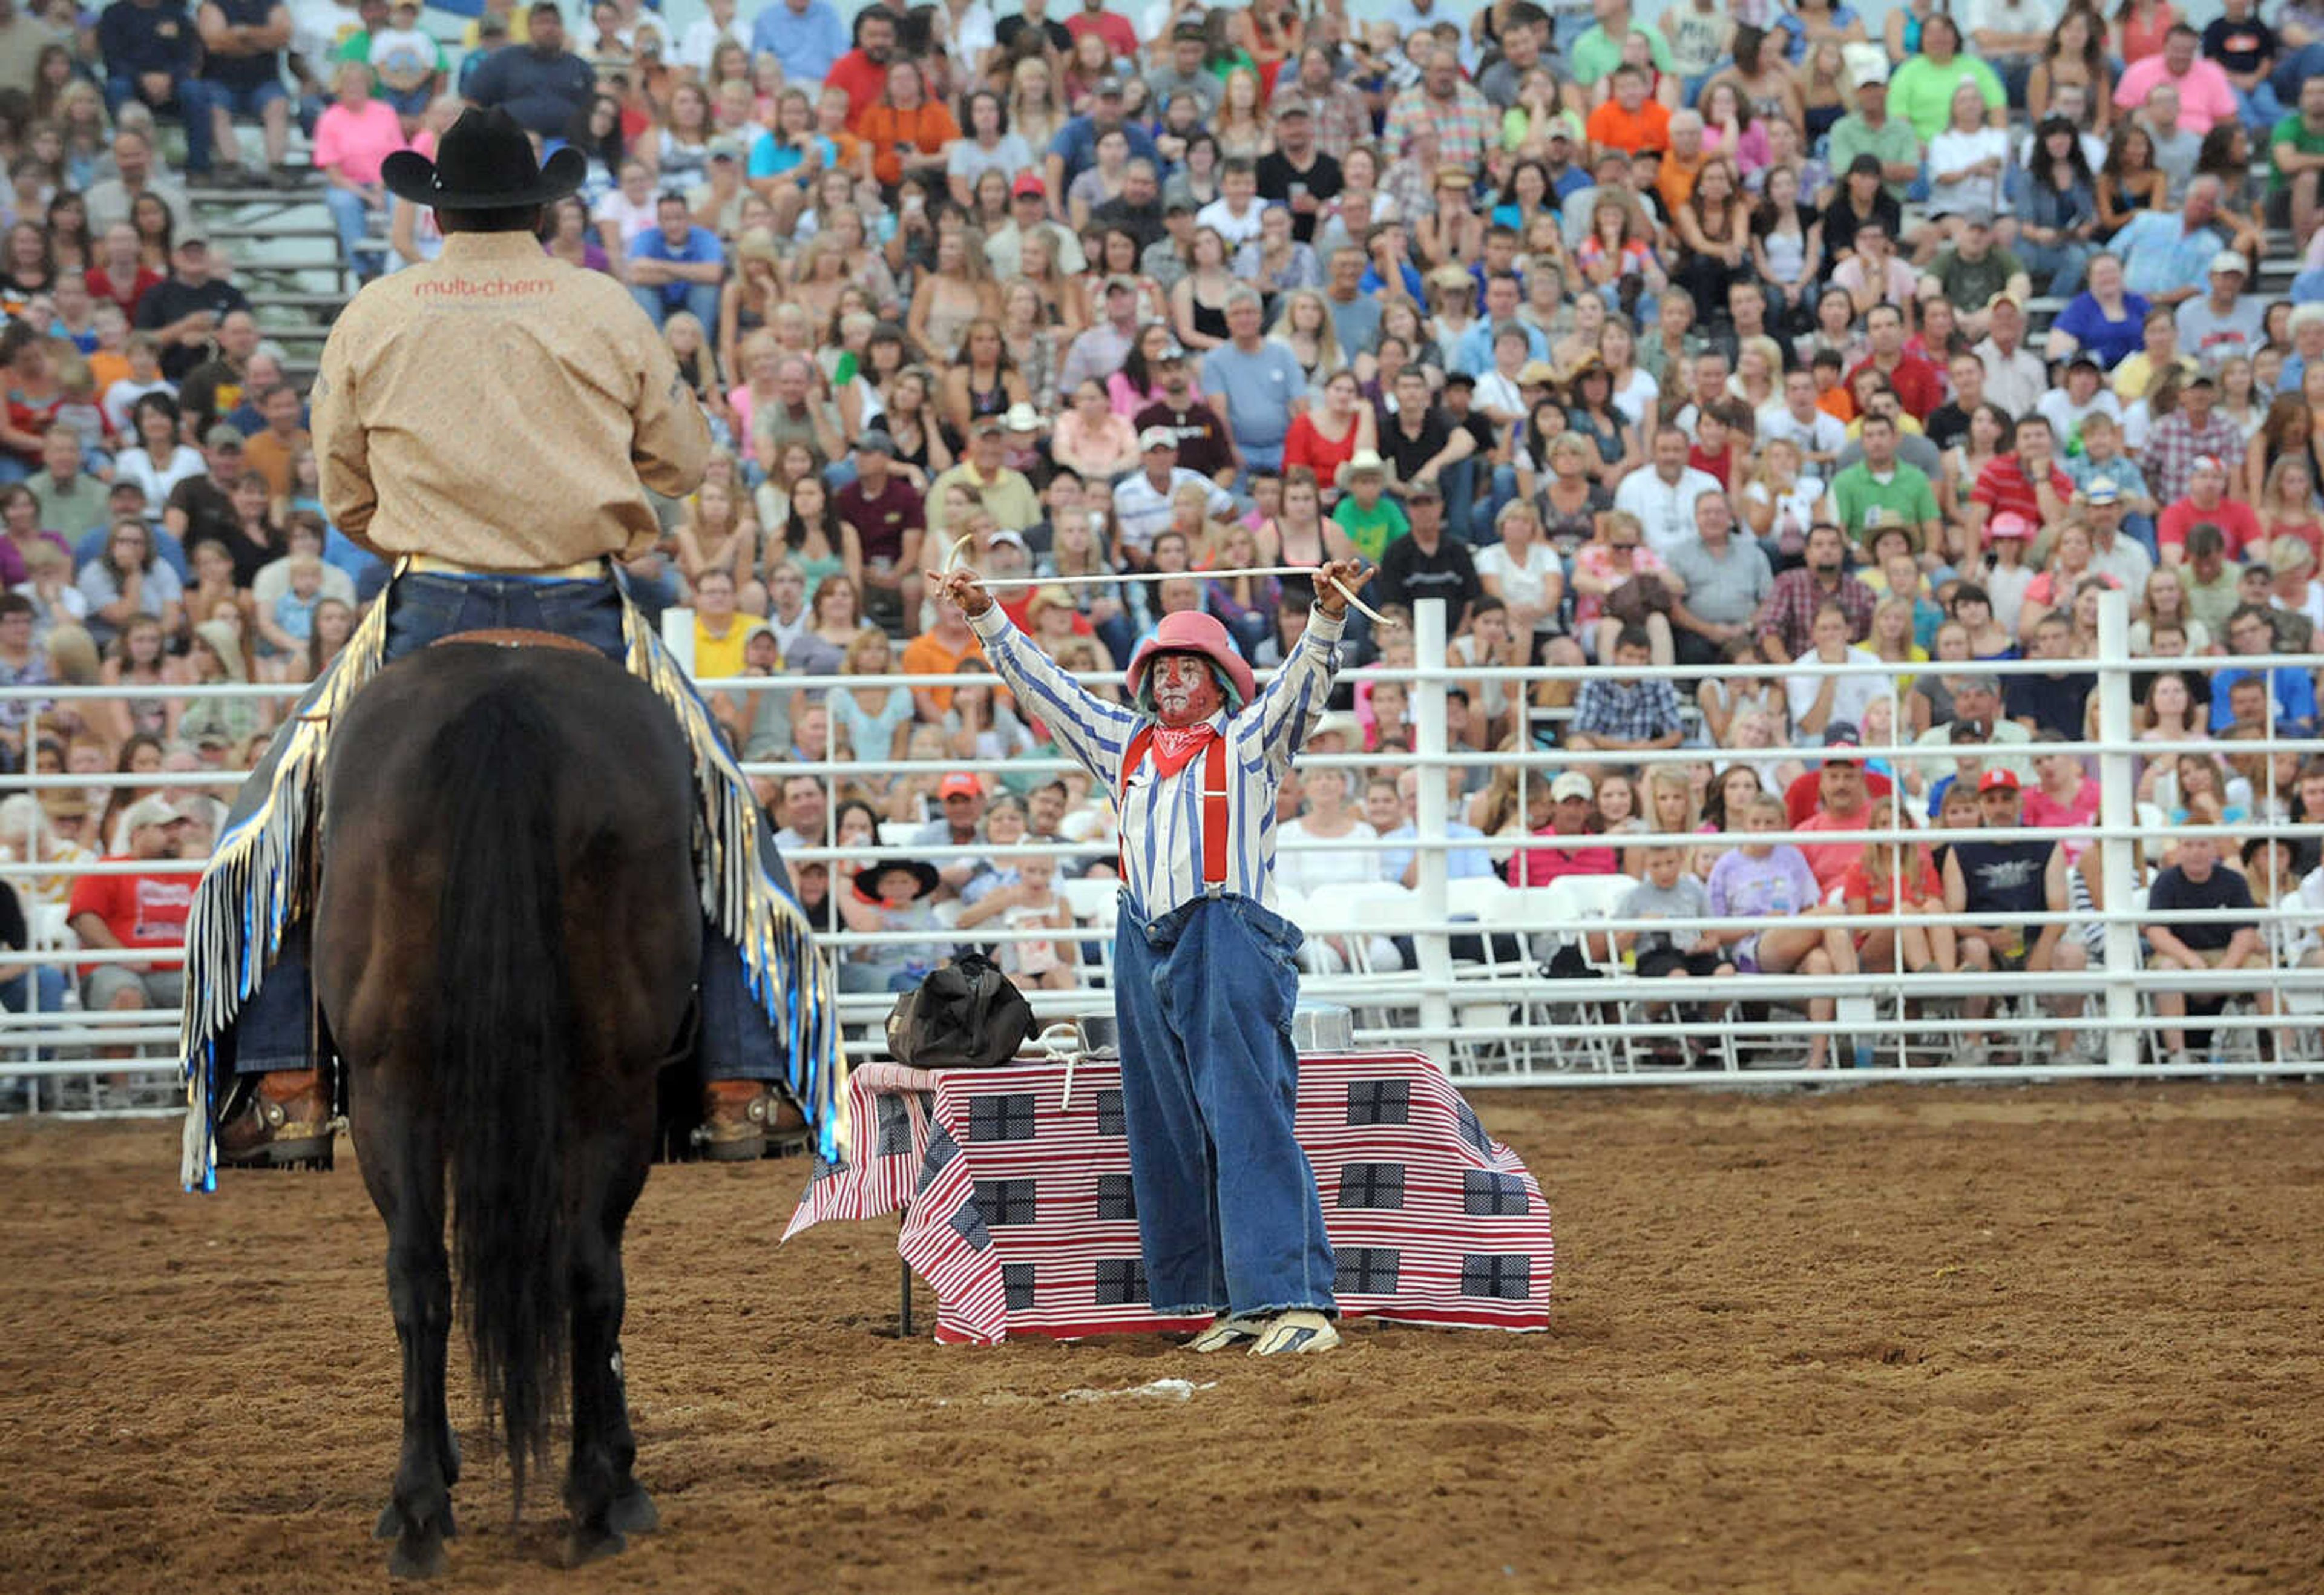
1185 689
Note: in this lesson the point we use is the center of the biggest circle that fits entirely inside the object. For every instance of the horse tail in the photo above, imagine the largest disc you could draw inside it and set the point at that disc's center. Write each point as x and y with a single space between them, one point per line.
504 1040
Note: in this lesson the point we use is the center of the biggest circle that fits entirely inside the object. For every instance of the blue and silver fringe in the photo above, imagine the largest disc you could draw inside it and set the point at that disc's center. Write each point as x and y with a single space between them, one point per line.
256 885
795 985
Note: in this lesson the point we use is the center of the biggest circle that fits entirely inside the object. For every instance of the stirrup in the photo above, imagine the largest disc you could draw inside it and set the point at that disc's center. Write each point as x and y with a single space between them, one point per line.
735 1114
273 1133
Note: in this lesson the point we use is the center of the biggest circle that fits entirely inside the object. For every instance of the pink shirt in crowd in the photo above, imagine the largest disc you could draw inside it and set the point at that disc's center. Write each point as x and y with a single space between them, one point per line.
358 142
2205 95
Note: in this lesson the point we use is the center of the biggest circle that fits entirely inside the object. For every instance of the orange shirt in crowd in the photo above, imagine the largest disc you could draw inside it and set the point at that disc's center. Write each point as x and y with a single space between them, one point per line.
105 368
273 457
1612 127
927 128
1676 180
929 654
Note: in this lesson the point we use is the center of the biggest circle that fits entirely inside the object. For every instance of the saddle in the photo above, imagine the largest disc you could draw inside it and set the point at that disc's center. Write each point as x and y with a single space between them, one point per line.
515 637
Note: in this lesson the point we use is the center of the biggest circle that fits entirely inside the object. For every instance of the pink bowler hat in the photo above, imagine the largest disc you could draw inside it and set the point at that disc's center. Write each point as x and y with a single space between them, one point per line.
1190 630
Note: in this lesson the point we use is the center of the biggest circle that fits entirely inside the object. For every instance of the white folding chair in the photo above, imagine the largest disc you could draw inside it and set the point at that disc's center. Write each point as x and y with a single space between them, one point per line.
1570 905
1479 899
1472 898
1096 903
1341 909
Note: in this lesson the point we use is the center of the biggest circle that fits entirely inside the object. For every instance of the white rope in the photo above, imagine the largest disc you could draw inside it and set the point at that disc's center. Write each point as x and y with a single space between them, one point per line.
1100 579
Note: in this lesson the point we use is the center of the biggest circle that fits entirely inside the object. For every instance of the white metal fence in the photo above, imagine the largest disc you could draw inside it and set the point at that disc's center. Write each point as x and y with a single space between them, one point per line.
1495 1015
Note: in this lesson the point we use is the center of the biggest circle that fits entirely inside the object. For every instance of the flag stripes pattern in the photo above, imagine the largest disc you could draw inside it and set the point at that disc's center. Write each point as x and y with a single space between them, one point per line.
880 1167
1018 1210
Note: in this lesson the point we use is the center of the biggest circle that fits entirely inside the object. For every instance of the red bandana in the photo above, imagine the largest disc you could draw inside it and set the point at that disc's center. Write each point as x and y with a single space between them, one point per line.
1175 747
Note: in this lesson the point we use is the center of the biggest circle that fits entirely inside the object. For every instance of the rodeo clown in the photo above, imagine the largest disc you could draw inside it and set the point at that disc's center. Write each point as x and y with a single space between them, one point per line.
484 420
1204 977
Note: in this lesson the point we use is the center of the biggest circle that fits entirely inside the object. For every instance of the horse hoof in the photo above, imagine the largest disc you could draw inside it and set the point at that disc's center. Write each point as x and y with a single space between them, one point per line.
583 1546
633 1511
393 1525
416 1557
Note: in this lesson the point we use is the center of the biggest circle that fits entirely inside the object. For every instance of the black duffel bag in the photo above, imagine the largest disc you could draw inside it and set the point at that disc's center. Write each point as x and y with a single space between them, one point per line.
967 1015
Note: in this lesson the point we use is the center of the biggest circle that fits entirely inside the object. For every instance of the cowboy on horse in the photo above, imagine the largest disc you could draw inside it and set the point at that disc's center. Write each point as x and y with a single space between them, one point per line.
485 421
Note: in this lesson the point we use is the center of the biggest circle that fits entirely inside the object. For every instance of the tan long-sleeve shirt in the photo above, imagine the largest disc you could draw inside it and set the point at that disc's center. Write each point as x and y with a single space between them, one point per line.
499 408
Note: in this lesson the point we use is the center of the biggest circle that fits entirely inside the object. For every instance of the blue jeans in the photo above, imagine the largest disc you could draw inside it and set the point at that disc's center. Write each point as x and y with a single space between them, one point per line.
191 96
1475 492
1258 457
273 1031
2058 265
1459 482
1227 1212
2291 69
2260 109
250 102
49 984
2015 71
353 215
701 297
1120 639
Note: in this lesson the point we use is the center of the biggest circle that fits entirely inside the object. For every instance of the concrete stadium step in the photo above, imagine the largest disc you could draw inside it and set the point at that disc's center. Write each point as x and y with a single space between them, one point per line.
299 301
262 230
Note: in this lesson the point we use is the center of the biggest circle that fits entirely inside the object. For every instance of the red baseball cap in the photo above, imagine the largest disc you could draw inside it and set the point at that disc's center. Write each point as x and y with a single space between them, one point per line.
960 784
1997 781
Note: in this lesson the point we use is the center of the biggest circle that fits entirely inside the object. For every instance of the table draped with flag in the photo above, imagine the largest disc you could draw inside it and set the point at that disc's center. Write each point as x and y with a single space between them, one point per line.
1018 1208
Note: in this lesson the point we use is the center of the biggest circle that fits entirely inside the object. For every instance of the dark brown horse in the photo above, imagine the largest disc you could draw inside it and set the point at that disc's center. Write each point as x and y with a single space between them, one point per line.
505 948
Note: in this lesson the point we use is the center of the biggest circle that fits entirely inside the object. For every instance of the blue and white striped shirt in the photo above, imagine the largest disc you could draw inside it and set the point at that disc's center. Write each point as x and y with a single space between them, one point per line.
1162 819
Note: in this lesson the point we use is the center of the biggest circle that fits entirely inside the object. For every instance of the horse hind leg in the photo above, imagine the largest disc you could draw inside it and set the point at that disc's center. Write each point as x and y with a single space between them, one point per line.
605 1501
406 1183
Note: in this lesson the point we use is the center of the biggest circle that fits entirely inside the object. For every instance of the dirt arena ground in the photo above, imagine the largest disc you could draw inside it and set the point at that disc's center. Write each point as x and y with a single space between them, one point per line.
1894 1341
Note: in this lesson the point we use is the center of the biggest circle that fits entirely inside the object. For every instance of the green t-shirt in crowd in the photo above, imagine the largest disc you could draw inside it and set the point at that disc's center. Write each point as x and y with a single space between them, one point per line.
1894 140
1907 494
2291 131
1373 530
1597 52
1922 92
1970 283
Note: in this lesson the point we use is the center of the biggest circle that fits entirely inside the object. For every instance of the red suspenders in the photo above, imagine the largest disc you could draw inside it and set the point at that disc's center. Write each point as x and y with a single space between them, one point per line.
1214 806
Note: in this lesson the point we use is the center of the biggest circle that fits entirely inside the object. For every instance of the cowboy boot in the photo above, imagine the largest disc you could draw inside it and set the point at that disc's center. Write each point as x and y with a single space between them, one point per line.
283 1117
743 1120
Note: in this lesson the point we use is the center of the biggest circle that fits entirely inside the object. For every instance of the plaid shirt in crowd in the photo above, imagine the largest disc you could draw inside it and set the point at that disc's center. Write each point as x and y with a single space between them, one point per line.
1625 711
1410 190
1342 123
1466 127
1791 604
2174 446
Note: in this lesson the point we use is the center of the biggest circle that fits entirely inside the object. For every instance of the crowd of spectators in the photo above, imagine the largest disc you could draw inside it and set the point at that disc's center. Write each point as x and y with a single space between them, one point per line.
1738 338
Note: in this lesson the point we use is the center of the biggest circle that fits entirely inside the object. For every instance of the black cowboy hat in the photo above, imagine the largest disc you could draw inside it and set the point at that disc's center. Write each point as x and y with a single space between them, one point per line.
867 882
483 162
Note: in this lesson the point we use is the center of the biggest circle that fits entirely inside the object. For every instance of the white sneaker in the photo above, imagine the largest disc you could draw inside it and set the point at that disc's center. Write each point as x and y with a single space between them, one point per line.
2177 1058
1299 1331
1225 1330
